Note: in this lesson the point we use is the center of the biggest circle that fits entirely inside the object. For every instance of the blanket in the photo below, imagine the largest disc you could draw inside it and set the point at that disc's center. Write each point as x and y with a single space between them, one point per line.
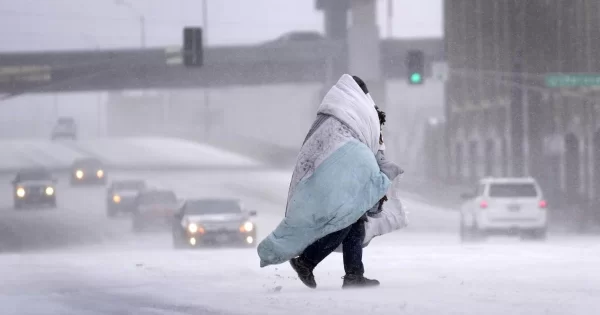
336 178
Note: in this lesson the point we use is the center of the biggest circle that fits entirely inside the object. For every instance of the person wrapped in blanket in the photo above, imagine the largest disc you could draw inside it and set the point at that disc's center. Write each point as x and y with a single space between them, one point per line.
336 187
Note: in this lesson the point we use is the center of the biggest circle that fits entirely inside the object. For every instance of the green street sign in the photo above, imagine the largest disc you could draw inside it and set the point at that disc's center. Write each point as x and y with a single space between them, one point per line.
572 80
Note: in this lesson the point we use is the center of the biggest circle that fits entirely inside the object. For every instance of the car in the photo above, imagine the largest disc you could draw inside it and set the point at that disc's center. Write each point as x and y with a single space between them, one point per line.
65 128
154 208
34 186
504 206
88 171
213 222
121 196
297 37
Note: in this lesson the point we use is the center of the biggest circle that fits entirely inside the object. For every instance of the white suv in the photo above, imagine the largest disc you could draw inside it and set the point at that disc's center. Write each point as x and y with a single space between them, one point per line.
65 128
504 206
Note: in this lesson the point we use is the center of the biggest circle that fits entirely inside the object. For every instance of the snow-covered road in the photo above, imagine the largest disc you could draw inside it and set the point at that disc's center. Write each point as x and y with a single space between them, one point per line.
420 275
423 270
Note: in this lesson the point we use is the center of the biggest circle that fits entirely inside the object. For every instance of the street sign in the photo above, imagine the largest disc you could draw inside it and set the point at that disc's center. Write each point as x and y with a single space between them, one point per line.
572 80
440 71
173 55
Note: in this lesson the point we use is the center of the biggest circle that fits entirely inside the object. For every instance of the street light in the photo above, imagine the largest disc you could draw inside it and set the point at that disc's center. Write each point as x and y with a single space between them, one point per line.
141 18
92 42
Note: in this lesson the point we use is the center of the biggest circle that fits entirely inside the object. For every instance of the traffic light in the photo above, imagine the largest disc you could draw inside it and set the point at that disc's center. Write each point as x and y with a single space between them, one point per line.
193 54
415 65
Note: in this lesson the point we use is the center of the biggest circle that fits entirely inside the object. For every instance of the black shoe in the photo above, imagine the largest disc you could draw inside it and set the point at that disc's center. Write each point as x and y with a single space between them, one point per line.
356 281
305 272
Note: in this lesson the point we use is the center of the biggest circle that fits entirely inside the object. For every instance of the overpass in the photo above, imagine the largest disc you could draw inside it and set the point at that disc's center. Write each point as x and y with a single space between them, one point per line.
68 71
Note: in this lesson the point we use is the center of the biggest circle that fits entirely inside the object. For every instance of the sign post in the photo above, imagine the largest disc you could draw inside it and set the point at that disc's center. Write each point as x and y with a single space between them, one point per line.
440 71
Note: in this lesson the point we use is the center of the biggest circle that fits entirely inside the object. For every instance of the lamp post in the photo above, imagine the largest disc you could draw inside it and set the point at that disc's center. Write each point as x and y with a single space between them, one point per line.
207 123
94 43
141 18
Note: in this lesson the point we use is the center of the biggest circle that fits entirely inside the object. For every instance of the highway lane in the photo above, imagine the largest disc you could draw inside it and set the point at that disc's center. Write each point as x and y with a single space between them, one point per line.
80 218
94 265
81 215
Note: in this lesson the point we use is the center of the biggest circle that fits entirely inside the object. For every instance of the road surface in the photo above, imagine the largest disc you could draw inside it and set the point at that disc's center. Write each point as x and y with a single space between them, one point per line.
73 260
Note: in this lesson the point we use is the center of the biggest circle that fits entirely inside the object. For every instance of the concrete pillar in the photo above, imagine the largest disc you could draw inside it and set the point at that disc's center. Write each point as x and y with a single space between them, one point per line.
336 17
364 54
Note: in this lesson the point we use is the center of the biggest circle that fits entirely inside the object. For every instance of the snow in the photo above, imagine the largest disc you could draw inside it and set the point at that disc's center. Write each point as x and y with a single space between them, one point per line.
420 274
423 269
140 152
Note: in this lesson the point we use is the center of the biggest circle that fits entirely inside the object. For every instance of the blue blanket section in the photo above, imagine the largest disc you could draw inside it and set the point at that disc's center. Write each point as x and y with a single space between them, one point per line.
342 189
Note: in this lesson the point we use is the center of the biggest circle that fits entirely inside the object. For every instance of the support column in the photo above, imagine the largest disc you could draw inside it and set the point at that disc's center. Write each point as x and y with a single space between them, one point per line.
364 53
336 17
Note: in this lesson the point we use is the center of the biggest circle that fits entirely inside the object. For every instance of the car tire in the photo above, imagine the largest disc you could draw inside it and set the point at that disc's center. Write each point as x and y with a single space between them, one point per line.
536 234
469 233
137 226
178 243
110 213
53 204
17 206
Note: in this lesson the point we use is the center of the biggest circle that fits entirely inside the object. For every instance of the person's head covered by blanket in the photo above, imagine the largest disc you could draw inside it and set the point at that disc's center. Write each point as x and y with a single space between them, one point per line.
336 178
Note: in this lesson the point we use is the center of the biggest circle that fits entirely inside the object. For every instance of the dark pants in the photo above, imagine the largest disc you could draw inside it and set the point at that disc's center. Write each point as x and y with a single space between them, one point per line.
351 239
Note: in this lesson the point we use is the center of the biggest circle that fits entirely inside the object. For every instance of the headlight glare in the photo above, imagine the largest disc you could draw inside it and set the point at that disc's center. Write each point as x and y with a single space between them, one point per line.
100 173
193 227
116 198
20 192
49 191
247 227
79 174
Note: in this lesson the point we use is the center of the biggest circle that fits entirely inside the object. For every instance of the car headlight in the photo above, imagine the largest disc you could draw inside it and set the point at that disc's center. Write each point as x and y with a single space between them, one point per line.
100 173
116 198
247 227
20 192
79 174
49 191
194 228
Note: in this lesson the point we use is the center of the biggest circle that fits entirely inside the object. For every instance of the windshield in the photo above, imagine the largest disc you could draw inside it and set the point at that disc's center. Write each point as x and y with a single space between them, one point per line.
88 163
513 191
213 207
161 197
303 36
34 175
129 185
66 121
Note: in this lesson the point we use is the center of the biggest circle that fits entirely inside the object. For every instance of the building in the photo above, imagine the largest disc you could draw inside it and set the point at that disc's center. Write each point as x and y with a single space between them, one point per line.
502 116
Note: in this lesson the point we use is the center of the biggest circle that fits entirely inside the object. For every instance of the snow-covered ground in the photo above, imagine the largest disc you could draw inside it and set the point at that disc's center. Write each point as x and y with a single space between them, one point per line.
423 269
420 274
136 152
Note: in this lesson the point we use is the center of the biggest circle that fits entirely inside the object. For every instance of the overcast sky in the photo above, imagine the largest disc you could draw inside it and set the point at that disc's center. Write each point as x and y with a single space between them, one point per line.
81 24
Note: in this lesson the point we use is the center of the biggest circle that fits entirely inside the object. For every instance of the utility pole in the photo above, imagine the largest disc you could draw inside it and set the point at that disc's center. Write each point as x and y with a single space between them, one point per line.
143 31
390 18
141 18
207 118
55 106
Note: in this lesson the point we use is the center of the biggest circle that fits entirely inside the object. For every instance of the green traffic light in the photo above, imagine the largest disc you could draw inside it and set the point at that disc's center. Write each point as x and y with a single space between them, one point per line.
415 78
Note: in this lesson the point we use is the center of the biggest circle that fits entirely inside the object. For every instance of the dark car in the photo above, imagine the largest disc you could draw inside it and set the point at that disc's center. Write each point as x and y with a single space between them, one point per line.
213 222
121 196
154 209
34 186
297 37
88 171
65 128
